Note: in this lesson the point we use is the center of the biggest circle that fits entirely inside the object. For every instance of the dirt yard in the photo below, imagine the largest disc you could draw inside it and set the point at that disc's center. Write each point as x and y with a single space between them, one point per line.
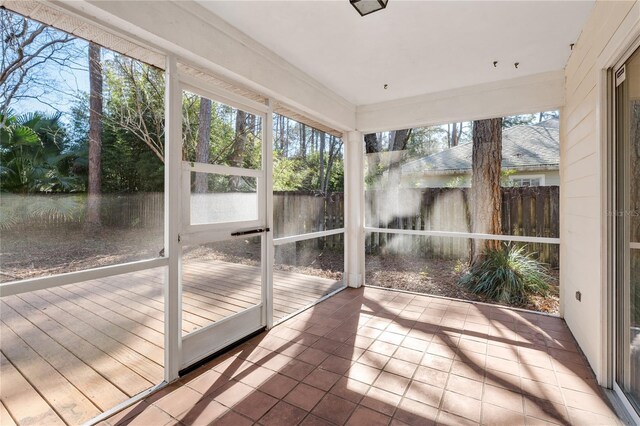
439 277
37 253
45 254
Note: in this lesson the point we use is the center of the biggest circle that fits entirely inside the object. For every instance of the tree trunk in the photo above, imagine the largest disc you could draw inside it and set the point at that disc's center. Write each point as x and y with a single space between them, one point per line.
397 144
400 139
253 130
321 163
239 146
203 145
285 137
92 222
372 146
454 135
486 194
303 140
314 142
333 150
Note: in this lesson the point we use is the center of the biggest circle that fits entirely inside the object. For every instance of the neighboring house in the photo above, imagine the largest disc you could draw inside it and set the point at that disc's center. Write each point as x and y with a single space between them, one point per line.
530 157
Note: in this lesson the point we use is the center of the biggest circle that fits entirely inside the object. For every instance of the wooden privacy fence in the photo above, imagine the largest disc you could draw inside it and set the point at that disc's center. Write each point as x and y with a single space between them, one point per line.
527 211
296 213
132 210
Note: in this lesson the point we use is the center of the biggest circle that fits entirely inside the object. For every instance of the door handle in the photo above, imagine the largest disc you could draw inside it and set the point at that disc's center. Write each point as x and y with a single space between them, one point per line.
249 232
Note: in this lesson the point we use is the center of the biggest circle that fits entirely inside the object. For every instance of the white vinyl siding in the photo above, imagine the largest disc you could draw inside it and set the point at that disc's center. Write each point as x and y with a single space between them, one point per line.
581 181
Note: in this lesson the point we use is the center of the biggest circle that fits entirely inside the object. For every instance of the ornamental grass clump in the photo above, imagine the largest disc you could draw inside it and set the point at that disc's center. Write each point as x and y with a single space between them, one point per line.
507 275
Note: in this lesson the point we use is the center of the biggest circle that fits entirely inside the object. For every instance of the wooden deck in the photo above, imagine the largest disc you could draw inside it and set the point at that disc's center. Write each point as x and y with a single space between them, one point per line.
72 352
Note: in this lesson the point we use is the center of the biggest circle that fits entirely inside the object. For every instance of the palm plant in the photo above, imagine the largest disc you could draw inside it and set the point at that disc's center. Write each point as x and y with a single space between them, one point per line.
507 275
32 157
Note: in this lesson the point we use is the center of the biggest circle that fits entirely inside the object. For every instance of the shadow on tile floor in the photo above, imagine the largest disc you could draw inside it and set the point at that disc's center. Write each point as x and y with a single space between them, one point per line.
378 357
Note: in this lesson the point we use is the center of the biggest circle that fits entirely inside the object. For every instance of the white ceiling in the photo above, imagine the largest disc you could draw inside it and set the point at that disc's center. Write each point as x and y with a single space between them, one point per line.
416 47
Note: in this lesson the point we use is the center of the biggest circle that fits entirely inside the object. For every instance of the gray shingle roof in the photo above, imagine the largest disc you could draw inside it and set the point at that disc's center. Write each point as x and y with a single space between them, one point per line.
526 146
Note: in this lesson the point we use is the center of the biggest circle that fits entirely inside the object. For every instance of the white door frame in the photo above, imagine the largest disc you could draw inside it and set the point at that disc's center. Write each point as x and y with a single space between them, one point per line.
622 44
182 351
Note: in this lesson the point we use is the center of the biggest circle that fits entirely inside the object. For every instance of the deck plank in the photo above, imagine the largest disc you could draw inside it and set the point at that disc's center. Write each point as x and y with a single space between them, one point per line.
5 417
158 298
138 362
20 399
96 388
229 288
97 296
136 311
63 397
125 379
114 330
283 292
152 338
153 308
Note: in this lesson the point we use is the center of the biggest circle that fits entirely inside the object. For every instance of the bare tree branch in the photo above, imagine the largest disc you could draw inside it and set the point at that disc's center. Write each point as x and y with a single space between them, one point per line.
26 49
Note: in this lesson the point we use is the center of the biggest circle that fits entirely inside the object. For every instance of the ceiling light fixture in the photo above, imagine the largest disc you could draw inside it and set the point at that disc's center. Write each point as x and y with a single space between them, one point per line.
365 7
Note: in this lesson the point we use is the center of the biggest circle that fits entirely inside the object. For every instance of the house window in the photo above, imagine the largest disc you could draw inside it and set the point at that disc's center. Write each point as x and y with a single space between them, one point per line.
527 180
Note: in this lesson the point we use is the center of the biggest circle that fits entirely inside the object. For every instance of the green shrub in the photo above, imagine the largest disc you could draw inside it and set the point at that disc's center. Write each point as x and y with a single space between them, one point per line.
507 275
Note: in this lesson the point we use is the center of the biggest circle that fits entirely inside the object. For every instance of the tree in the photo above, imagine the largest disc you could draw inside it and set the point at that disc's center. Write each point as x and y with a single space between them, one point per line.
399 139
454 133
371 143
95 138
321 177
136 101
335 145
397 143
372 147
519 120
203 146
236 158
26 48
283 136
303 140
32 157
486 194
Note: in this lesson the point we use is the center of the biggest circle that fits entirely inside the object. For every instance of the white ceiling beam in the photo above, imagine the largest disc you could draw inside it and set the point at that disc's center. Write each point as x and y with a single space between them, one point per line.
540 92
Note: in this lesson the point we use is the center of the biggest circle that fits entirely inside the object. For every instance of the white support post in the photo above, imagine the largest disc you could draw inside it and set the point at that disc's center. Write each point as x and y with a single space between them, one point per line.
267 241
172 221
354 209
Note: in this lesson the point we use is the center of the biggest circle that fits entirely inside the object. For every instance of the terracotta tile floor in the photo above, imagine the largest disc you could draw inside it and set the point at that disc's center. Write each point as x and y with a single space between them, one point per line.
376 357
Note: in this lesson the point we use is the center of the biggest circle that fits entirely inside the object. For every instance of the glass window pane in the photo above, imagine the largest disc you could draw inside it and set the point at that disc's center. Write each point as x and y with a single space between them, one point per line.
215 133
633 387
634 240
628 223
223 198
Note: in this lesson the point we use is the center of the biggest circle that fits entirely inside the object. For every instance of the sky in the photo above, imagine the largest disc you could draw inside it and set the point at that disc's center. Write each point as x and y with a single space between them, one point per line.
68 85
